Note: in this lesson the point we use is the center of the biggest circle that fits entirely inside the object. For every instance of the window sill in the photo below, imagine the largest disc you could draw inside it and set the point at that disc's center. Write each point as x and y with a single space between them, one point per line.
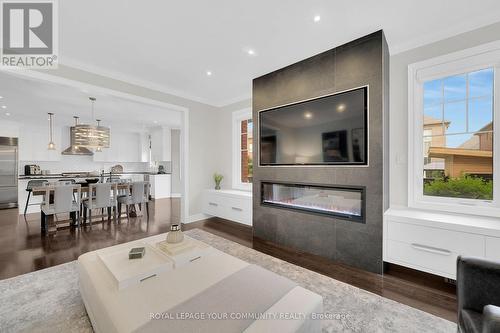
483 225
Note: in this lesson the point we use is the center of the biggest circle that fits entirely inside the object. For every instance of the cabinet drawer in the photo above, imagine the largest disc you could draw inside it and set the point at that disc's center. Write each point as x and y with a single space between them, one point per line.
492 248
238 214
212 200
236 203
211 207
436 260
454 241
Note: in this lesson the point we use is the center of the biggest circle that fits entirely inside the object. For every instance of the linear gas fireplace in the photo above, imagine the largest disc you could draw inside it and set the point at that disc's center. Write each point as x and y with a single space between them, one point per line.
346 202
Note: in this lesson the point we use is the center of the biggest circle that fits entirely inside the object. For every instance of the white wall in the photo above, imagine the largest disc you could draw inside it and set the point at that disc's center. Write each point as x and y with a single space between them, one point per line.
175 164
398 145
9 129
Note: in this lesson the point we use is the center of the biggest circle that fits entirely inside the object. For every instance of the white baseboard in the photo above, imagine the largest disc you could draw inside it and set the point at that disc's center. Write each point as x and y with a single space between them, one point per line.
197 217
175 195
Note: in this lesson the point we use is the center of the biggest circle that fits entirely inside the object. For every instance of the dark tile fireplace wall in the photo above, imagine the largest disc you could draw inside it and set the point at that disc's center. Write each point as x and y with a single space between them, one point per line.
364 61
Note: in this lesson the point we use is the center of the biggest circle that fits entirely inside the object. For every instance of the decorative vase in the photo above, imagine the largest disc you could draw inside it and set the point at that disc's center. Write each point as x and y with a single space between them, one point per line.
218 179
175 234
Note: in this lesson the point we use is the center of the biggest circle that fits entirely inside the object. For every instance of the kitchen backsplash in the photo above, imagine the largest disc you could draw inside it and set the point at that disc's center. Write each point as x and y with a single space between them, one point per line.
82 163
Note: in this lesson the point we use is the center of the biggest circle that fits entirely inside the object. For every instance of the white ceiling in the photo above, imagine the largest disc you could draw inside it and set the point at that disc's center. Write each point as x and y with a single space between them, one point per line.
29 100
169 45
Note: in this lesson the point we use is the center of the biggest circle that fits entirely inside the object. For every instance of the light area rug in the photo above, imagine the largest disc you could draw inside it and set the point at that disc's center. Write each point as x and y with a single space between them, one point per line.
49 300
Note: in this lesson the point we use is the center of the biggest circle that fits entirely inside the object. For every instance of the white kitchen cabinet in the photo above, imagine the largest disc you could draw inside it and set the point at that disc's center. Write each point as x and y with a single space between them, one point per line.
124 147
160 144
229 204
160 186
145 149
33 142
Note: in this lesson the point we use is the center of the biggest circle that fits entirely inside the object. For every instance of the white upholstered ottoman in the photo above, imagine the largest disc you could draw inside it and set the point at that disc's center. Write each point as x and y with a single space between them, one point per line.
212 291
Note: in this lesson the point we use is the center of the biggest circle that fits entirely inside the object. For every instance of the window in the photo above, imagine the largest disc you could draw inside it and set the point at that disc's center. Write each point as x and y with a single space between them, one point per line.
242 149
246 158
458 136
452 161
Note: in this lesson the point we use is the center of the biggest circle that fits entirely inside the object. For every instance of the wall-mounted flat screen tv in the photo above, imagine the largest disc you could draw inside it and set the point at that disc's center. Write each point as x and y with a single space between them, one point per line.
329 130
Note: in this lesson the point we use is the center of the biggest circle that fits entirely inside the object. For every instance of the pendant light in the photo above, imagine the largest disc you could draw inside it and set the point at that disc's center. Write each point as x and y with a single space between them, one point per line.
92 136
51 145
73 149
98 149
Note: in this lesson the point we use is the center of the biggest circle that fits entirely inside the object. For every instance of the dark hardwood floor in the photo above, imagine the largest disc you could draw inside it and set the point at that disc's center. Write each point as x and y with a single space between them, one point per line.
24 249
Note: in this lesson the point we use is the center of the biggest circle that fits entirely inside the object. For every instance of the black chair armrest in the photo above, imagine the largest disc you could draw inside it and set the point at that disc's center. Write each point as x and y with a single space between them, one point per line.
491 319
477 283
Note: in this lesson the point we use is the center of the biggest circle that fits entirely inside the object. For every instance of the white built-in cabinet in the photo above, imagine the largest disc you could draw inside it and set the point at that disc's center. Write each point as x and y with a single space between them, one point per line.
124 147
33 143
231 205
431 242
160 143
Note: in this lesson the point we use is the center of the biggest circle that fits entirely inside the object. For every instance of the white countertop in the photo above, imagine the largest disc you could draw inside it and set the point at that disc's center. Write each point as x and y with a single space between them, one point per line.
482 225
232 192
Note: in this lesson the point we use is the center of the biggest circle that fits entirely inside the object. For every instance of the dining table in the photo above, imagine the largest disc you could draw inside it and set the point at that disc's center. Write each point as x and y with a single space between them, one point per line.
83 190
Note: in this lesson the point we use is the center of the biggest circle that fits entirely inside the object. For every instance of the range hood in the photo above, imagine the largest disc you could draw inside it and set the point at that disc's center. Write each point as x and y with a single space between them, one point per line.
74 149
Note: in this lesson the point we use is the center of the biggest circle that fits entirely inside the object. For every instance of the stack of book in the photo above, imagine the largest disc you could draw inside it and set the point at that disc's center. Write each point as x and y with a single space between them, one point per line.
187 251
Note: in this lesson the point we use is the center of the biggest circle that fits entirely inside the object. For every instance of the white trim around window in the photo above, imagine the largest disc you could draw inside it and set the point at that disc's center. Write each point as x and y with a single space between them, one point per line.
238 117
484 56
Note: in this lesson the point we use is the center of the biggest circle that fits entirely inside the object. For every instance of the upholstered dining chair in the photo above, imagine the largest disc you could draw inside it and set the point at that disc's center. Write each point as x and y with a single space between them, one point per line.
29 188
138 195
63 202
101 195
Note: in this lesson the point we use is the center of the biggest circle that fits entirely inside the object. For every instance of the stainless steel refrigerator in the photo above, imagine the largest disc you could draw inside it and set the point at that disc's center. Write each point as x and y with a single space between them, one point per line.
8 172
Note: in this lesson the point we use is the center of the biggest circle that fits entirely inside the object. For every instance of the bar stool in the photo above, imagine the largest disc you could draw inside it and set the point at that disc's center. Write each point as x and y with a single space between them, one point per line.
29 188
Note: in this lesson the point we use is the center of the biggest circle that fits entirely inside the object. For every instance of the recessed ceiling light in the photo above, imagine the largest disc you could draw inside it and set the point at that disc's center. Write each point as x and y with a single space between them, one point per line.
1 97
308 115
317 18
251 52
7 114
341 108
4 107
209 73
155 121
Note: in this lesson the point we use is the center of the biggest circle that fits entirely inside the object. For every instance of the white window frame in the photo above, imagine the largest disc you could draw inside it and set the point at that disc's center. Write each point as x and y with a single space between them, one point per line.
469 60
238 117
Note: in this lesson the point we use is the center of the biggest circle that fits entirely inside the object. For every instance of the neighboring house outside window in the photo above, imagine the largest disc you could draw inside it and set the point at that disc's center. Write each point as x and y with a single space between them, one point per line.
453 120
246 167
242 150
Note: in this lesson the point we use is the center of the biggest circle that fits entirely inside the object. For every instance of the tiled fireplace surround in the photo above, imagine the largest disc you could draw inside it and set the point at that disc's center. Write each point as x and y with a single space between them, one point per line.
364 61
